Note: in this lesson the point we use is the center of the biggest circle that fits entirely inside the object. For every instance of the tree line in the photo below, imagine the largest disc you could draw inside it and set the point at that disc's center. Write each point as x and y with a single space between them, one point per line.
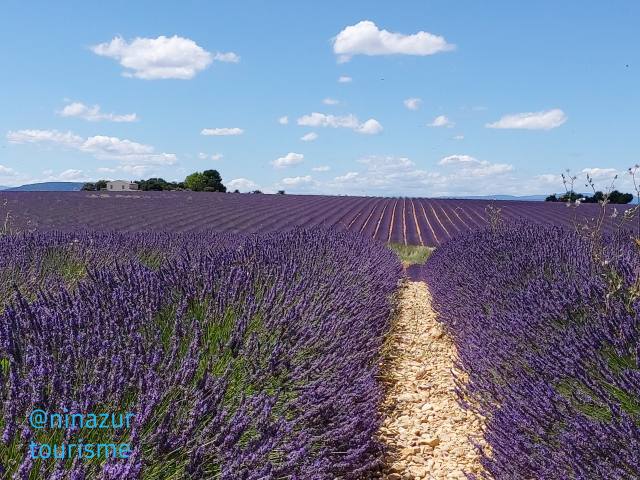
207 181
613 197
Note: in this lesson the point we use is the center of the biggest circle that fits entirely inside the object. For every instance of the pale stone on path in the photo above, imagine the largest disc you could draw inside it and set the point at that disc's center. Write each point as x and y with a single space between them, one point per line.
426 431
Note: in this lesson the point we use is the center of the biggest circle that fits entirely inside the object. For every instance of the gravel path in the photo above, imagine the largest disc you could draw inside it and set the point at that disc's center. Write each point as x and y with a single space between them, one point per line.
427 432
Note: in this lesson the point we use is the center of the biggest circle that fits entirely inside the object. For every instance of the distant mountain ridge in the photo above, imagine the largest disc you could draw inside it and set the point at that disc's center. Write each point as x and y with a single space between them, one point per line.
47 187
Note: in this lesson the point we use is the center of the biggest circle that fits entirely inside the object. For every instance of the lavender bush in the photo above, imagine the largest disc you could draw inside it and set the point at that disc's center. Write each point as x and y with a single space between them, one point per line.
242 357
550 335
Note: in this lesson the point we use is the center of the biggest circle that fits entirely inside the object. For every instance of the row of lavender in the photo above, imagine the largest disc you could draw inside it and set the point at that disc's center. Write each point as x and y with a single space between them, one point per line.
410 221
241 357
548 326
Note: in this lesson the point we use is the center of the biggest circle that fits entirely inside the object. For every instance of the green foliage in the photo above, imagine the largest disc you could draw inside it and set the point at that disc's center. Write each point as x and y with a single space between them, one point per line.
615 197
95 186
207 181
411 254
196 182
158 184
151 258
620 198
570 196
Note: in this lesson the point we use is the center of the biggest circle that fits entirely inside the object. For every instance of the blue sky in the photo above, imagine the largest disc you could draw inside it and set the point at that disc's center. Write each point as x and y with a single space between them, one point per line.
510 94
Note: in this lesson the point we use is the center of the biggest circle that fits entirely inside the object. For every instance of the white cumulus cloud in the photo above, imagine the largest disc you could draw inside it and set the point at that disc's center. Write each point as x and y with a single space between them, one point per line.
315 119
222 132
93 113
549 178
600 173
412 103
458 159
125 151
345 79
543 120
283 120
161 57
370 127
401 176
242 184
321 168
288 160
330 101
296 181
309 137
365 38
472 167
441 121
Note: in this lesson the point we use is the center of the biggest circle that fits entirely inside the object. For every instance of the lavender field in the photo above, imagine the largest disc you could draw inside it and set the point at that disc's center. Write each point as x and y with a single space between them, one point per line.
240 357
248 335
547 326
409 221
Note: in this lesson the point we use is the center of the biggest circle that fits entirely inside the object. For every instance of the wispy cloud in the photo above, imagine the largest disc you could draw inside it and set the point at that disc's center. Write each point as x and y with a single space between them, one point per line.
214 157
309 137
543 120
7 171
441 121
222 132
228 57
125 151
412 103
93 113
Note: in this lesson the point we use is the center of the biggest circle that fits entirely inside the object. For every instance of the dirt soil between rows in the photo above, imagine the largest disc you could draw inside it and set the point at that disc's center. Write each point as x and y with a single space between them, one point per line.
428 434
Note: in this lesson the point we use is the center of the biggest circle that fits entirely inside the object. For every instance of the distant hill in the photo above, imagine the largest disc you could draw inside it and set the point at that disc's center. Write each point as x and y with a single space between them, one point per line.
3 188
48 187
